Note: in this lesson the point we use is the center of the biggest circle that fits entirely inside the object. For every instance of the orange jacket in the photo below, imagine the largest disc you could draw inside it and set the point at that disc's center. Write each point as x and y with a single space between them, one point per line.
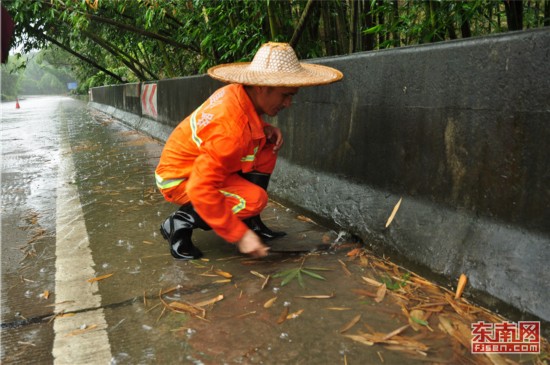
218 139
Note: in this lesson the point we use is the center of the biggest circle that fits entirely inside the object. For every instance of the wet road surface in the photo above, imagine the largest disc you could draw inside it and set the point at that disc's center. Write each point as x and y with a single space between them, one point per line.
87 278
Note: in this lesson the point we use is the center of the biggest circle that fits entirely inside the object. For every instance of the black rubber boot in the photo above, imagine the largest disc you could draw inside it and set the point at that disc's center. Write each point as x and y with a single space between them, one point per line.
255 223
177 230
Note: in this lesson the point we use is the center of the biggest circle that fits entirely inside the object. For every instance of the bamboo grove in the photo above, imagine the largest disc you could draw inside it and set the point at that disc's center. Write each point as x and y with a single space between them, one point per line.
117 41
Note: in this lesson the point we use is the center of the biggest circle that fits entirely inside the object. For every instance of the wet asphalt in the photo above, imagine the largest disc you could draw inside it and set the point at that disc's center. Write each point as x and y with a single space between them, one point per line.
88 279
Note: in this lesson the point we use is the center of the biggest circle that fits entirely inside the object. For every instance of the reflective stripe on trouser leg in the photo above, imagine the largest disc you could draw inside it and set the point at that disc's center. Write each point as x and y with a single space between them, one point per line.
168 183
241 202
244 198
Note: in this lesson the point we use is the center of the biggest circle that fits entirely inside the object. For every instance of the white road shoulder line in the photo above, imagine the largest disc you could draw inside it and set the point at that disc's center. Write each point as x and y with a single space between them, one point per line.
73 344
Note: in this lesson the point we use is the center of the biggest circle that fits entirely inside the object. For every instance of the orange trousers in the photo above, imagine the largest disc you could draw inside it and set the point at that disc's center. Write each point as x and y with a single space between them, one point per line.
236 188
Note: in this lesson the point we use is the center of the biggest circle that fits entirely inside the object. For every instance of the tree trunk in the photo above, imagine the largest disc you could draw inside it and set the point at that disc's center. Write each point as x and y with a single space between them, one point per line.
352 25
381 21
74 53
327 26
369 23
272 20
448 20
514 14
302 23
395 19
136 30
547 13
342 29
465 29
117 53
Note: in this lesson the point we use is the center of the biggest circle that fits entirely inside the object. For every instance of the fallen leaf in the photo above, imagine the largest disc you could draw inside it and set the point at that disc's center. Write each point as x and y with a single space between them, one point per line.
188 308
363 293
452 326
99 278
458 308
437 309
210 301
404 343
344 267
148 242
59 303
321 296
426 306
255 273
295 314
354 252
417 318
392 215
407 350
80 331
461 285
222 281
283 316
380 293
169 290
360 339
395 333
265 281
270 302
371 281
304 219
65 315
224 274
46 294
338 308
246 314
350 324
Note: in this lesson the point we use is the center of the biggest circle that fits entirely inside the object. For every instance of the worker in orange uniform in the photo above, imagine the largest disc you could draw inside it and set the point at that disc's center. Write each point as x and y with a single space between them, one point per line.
218 161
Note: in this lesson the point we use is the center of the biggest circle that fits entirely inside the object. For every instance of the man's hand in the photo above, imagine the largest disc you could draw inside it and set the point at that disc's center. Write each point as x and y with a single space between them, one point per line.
275 136
250 244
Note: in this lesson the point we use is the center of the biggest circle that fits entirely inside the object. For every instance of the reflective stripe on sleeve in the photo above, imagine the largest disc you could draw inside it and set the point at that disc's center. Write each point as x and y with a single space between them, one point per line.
250 158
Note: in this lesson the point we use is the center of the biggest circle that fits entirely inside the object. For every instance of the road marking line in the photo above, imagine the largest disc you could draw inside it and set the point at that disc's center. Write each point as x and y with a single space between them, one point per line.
74 265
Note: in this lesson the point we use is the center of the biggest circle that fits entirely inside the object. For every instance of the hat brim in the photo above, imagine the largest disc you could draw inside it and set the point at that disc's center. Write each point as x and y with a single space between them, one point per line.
309 75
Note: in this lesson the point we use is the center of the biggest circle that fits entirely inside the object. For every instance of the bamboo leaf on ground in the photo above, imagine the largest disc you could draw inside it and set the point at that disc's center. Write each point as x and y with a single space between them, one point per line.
321 296
392 215
270 302
224 274
461 285
295 314
312 274
350 324
283 315
380 293
98 278
210 301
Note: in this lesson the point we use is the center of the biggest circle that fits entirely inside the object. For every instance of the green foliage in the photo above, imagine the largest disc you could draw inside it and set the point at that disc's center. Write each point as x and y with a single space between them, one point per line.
38 77
121 41
395 285
298 274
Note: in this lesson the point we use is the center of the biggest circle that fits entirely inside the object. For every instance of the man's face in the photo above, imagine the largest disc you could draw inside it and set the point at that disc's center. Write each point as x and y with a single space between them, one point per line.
271 100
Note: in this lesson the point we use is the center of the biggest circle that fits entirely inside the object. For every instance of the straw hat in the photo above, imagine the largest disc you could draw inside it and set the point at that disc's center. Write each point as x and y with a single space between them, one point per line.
275 64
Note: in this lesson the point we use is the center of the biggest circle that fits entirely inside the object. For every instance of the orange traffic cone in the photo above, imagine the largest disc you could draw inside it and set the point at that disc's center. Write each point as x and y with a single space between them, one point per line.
17 103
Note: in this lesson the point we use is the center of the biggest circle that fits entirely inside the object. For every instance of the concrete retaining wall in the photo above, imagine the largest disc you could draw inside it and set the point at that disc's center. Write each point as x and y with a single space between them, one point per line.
459 130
